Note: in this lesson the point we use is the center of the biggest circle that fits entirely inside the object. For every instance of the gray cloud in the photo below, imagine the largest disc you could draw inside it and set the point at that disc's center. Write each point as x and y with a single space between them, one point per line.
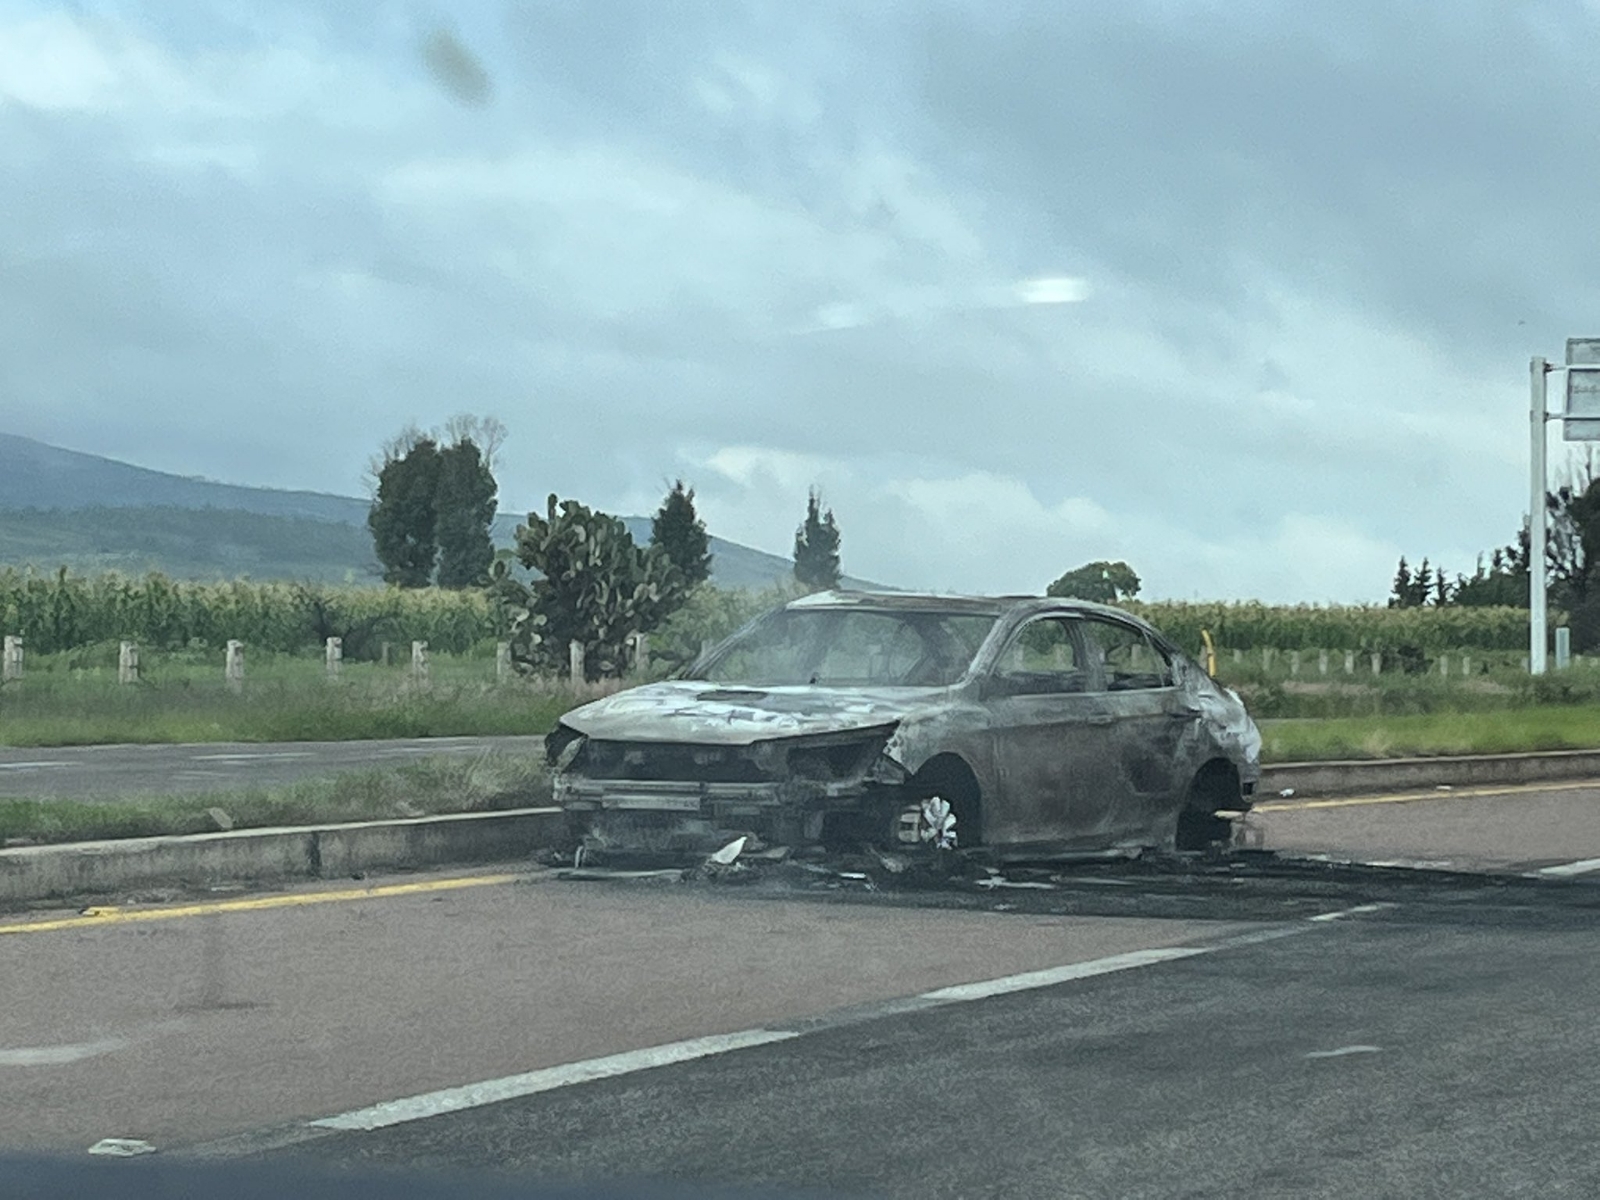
1314 252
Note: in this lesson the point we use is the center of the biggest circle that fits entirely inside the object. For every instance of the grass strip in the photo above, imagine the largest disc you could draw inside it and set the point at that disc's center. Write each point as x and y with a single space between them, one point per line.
447 784
1507 731
65 715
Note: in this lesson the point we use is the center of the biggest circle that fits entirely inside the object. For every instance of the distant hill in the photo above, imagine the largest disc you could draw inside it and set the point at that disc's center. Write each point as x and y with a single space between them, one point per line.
65 508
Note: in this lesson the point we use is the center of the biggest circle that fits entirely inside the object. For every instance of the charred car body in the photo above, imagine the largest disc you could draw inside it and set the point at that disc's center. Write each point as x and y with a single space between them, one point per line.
1016 727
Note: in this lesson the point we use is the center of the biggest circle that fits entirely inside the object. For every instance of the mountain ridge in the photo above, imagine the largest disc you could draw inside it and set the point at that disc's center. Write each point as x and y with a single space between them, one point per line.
88 512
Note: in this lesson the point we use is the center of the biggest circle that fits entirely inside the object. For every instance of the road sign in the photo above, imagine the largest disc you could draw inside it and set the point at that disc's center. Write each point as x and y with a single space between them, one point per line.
1581 417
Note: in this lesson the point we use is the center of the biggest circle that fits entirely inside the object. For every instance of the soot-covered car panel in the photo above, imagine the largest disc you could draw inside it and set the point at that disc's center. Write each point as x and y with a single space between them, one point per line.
1018 727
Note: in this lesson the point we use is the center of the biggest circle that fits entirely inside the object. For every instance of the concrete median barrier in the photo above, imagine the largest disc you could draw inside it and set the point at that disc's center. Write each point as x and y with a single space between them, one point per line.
32 873
1358 777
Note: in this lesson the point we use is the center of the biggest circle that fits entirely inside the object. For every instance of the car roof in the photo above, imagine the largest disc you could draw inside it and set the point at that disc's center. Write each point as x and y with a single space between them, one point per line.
933 602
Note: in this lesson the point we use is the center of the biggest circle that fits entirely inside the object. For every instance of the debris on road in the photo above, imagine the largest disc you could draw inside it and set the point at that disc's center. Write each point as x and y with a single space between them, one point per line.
121 1147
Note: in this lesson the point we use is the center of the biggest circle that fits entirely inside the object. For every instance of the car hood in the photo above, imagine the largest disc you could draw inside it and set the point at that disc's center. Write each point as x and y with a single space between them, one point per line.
707 713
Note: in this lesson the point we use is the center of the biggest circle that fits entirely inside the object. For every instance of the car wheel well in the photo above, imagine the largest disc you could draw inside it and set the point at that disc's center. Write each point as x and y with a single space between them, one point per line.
1215 788
948 775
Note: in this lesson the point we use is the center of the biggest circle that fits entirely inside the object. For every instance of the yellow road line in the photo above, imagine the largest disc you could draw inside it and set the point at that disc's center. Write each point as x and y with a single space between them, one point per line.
1519 789
95 917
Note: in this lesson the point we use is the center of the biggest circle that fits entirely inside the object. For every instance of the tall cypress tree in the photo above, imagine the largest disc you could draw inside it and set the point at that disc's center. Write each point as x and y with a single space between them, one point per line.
465 502
816 547
404 514
681 535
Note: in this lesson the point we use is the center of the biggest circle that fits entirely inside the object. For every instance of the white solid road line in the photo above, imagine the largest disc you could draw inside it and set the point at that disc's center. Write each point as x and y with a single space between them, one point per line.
511 1087
28 766
492 1091
250 757
1583 866
1345 1051
56 1056
983 989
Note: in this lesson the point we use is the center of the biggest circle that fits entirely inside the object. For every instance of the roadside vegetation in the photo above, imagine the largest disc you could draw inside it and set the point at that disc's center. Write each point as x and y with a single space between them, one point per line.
75 700
446 784
1502 731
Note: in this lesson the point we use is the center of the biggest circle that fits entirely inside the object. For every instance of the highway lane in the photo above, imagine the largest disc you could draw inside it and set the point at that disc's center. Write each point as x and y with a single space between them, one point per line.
181 1024
109 772
1395 1054
1512 829
1388 1034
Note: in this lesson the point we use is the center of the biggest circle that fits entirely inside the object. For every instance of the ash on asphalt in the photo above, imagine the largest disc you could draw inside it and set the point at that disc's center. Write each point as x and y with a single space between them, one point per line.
1234 885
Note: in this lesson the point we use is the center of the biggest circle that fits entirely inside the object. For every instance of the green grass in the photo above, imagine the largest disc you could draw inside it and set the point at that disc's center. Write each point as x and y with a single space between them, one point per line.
282 700
440 785
1507 730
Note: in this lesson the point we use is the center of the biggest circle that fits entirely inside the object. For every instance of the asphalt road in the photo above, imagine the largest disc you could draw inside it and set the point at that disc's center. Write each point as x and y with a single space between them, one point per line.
1508 829
109 772
1218 1032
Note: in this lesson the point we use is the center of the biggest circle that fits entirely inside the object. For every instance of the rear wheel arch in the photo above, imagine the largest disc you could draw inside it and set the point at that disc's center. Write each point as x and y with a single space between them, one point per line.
1216 787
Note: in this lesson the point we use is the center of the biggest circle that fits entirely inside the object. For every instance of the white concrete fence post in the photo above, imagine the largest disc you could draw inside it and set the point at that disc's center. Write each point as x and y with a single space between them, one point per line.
1294 662
1238 655
1322 662
1349 662
233 664
1377 663
419 661
575 662
333 656
1466 666
1444 666
128 663
11 658
1266 658
502 661
1563 647
641 653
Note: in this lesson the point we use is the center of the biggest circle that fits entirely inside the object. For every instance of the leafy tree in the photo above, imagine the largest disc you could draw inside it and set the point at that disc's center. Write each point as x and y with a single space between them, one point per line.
1101 582
433 503
595 586
681 535
816 547
1502 583
465 505
1400 593
1413 589
404 514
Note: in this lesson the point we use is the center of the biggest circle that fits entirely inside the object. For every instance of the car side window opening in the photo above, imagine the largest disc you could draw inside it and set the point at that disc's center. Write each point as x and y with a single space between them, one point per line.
1042 658
1128 659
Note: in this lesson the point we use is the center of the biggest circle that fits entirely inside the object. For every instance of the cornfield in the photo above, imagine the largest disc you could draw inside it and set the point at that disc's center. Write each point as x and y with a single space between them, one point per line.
1252 626
60 612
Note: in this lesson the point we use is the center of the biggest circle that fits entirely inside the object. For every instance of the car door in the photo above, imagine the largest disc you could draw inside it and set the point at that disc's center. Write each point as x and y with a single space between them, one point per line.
1149 717
1052 732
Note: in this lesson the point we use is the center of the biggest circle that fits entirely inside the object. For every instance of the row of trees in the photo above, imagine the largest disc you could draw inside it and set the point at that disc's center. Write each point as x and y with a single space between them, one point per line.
584 579
589 583
1501 577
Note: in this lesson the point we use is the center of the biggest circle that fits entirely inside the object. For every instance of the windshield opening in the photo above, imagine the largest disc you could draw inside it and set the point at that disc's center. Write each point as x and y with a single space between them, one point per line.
852 648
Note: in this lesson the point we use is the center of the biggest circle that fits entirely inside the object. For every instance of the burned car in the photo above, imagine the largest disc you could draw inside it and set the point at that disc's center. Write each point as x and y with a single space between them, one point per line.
1017 728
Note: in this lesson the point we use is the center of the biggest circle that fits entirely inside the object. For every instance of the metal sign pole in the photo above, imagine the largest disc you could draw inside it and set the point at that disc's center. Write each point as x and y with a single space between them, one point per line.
1537 370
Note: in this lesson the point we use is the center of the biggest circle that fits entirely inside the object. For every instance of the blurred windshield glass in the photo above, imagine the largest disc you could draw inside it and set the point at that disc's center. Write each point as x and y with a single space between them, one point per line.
853 649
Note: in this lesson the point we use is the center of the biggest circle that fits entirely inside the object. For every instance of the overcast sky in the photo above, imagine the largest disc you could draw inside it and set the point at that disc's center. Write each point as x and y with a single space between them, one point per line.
1241 293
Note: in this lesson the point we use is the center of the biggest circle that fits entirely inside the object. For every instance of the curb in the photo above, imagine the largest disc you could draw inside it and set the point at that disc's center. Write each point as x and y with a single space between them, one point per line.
30 873
1356 776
